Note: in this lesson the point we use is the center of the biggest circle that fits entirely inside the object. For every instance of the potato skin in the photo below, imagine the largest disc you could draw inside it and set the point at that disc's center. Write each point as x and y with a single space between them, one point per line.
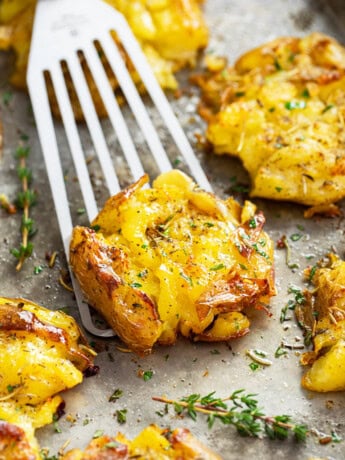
133 314
173 259
280 109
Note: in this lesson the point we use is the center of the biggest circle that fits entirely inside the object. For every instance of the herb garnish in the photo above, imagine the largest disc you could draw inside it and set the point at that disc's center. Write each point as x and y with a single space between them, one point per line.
217 267
327 108
291 105
116 395
280 352
244 414
254 366
7 97
121 415
147 375
25 200
97 434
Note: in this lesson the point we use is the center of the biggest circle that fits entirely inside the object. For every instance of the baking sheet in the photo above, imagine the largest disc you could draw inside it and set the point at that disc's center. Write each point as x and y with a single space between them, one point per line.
186 367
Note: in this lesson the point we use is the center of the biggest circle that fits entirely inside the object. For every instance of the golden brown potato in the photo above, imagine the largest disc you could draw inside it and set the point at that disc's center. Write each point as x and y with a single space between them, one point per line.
174 259
153 443
170 32
280 109
47 355
323 316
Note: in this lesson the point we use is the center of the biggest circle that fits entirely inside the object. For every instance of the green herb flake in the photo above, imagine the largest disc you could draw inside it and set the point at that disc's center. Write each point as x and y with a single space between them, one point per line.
215 352
244 267
144 246
24 137
187 278
142 274
111 445
305 93
254 366
240 94
96 228
335 437
147 375
209 224
283 314
327 108
176 162
217 267
296 236
56 426
280 351
260 251
38 269
271 109
163 412
252 223
292 105
81 211
22 152
97 434
121 416
7 98
135 285
115 395
277 65
279 189
312 272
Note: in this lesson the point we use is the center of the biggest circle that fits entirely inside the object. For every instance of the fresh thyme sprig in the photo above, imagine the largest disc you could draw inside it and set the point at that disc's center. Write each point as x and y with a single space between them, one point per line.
25 200
242 412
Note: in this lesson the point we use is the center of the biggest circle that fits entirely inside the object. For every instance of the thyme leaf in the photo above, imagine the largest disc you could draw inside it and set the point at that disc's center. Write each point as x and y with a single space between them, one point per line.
26 198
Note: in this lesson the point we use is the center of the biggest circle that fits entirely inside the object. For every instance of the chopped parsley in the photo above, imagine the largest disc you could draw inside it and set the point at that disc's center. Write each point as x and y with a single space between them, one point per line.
327 108
292 105
217 267
116 395
147 375
254 366
121 415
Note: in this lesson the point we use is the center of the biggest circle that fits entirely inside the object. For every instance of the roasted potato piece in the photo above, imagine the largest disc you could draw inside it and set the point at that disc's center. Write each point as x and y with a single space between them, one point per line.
280 109
153 443
323 315
172 259
47 355
170 32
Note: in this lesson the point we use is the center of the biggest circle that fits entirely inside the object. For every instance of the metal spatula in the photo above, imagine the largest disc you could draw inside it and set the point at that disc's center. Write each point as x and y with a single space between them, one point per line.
63 29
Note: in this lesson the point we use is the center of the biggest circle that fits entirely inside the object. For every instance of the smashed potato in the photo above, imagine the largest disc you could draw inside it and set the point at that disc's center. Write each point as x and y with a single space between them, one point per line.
323 317
169 31
47 355
174 259
280 109
153 443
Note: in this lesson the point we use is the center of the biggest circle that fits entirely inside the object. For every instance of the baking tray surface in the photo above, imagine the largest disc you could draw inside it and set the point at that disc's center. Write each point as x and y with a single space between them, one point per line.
186 368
